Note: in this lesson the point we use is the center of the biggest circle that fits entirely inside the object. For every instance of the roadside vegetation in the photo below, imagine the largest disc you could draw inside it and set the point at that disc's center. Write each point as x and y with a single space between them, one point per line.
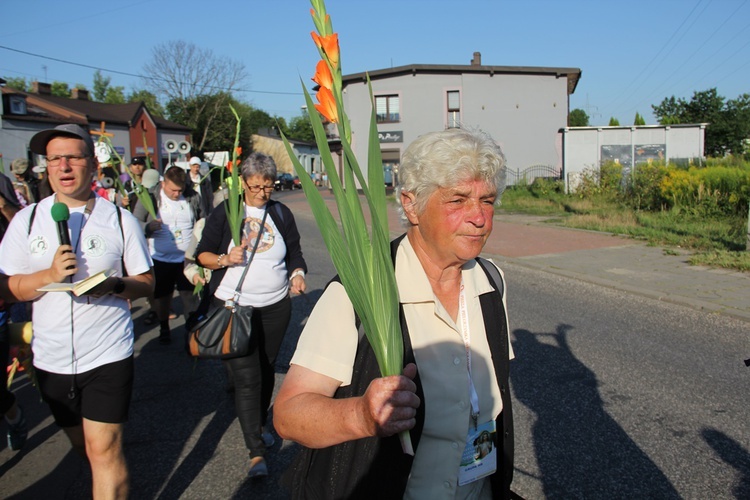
700 209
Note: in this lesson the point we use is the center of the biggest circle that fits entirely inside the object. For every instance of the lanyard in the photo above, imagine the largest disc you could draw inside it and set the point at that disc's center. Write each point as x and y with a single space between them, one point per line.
90 203
466 335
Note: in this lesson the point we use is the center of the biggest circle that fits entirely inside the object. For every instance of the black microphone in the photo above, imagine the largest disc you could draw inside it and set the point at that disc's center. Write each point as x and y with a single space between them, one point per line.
61 214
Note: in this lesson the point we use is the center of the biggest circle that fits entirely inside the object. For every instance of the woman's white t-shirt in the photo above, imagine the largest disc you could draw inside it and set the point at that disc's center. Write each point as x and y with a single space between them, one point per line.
267 280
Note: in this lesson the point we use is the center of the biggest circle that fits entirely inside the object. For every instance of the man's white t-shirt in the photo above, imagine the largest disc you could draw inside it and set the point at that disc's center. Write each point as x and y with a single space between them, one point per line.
267 280
169 243
76 334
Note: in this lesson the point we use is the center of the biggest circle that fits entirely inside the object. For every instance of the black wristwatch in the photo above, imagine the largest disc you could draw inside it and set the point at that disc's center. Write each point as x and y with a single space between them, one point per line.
119 286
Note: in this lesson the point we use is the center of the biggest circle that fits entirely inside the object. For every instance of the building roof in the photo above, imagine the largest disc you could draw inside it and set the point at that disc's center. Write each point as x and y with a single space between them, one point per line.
51 108
572 74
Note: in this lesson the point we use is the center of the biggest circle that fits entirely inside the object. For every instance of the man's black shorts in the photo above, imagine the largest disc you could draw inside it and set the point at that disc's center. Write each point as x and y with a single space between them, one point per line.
167 275
102 394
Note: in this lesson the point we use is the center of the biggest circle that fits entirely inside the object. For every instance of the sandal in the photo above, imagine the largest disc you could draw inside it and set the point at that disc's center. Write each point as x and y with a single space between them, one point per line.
150 318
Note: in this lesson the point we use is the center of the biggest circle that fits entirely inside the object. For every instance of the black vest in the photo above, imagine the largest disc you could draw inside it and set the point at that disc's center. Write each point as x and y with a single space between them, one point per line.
376 467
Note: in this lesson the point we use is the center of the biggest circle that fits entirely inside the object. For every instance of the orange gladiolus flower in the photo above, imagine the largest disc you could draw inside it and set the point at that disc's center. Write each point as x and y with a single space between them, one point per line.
323 76
229 165
239 150
327 106
330 46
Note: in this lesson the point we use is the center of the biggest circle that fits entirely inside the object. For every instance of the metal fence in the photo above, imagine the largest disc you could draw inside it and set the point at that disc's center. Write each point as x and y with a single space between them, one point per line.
524 177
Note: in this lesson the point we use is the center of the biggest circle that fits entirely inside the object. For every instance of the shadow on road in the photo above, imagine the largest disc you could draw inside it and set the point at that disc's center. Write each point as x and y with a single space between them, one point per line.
580 450
731 452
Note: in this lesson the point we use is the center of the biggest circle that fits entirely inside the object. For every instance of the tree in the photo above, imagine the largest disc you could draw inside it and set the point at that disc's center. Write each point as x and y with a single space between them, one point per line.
17 83
195 83
638 120
149 99
104 92
101 84
60 89
614 122
578 118
300 128
728 121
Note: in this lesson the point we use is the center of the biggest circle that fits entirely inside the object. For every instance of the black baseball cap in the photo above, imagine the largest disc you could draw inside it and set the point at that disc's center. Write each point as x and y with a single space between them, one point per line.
38 143
138 160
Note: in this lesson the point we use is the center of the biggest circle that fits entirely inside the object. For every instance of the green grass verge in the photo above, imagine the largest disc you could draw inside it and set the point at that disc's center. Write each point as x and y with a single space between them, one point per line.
717 241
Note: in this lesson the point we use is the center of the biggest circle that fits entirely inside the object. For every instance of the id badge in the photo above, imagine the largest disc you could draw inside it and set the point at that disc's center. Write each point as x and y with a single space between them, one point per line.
480 453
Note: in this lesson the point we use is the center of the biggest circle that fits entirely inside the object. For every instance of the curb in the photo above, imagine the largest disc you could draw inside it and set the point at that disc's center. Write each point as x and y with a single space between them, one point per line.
643 292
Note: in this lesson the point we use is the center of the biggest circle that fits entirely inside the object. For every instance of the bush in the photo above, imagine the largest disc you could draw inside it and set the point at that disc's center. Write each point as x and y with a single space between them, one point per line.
709 191
643 190
602 182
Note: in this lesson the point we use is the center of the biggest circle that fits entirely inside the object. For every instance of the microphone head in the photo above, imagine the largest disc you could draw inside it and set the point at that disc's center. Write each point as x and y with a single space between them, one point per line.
60 212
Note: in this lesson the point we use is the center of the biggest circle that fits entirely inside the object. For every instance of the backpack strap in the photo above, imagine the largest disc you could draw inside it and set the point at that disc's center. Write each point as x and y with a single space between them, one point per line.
31 219
494 274
122 233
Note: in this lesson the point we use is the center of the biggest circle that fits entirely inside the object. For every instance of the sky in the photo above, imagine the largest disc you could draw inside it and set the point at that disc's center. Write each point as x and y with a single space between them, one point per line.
632 54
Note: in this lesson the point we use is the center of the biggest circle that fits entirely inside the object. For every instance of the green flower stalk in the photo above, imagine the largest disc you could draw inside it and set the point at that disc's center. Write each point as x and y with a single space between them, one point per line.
235 205
361 258
141 192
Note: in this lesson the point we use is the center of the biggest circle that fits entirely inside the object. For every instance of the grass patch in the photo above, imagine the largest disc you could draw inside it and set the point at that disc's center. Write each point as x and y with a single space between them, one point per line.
717 240
722 258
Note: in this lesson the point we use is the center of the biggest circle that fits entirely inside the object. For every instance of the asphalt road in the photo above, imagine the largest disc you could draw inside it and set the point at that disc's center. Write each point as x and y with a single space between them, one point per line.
615 396
618 396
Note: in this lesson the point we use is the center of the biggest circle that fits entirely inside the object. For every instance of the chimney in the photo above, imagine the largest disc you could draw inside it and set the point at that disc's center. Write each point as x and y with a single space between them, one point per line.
81 94
477 60
41 88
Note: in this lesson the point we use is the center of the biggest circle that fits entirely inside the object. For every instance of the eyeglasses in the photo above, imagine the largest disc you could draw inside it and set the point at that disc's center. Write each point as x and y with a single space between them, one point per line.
256 189
73 160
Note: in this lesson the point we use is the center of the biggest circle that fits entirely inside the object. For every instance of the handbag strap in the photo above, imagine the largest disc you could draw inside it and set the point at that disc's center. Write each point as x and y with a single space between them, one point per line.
252 254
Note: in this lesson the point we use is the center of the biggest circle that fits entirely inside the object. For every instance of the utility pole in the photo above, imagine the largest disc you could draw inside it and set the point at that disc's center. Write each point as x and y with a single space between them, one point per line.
588 107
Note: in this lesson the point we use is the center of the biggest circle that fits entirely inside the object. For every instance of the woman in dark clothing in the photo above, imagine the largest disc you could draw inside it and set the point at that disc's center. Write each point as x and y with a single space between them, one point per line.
277 269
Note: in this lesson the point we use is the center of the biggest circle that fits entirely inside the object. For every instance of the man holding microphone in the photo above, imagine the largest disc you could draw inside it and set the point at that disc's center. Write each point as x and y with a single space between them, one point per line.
83 346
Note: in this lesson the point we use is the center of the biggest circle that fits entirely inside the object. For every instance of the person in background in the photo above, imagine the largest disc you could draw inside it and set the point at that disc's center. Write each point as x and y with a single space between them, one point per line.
201 185
137 166
82 346
44 187
14 419
277 269
25 184
178 209
454 385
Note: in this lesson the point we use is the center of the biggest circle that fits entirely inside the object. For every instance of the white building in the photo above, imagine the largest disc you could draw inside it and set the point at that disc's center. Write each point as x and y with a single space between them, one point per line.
522 108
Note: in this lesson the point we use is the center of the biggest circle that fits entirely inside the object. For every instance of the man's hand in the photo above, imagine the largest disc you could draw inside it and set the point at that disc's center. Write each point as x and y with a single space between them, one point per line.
105 287
390 404
153 226
64 258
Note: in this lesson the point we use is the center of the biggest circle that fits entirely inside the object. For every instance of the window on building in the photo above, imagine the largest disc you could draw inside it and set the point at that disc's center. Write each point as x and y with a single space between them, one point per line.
17 105
387 108
391 161
454 109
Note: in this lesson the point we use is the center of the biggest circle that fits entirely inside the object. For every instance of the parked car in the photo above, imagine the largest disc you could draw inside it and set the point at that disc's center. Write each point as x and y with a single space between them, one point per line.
283 181
286 181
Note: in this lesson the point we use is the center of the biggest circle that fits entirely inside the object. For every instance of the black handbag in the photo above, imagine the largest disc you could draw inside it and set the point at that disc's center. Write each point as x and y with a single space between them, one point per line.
225 331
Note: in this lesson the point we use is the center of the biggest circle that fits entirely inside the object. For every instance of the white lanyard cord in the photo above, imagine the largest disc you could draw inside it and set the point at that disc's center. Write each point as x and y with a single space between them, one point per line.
466 335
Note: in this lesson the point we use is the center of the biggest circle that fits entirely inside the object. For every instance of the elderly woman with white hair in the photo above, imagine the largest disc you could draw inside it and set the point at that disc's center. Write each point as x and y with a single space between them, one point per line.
454 385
